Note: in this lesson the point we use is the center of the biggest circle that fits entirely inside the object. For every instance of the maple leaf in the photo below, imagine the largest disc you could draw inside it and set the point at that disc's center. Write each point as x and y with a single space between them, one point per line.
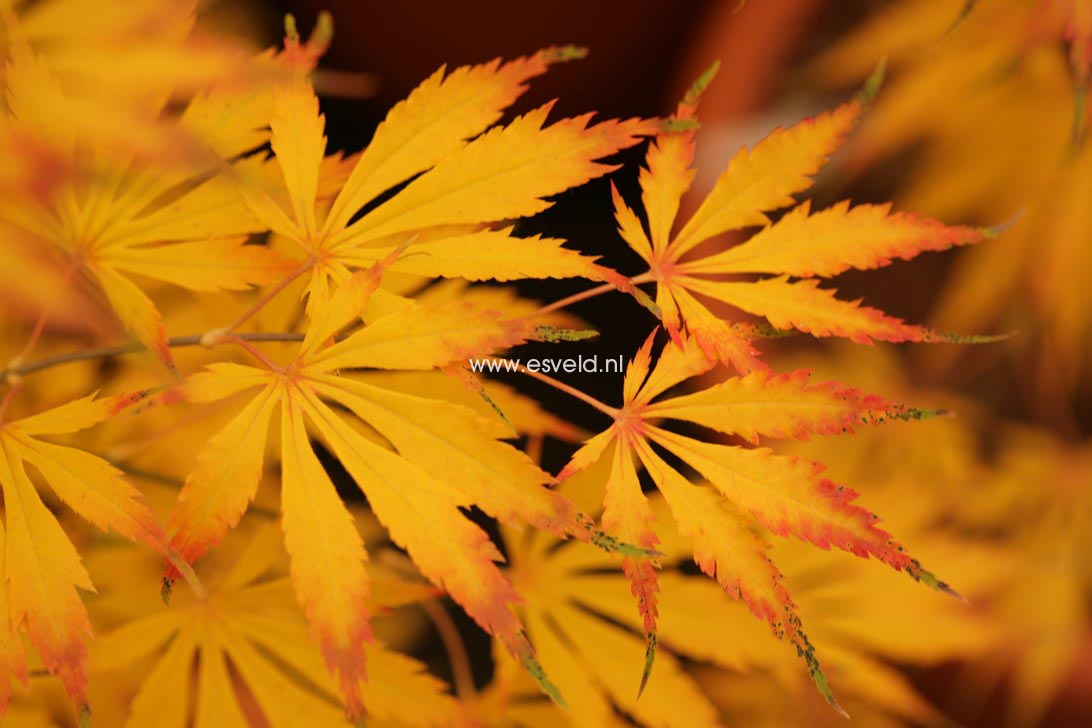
42 570
577 602
587 648
111 66
452 456
1001 73
1044 529
130 163
456 180
796 251
936 475
786 495
120 215
248 622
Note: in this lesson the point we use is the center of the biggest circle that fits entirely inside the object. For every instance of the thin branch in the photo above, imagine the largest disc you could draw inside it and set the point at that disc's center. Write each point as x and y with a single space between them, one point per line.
40 324
612 412
585 295
246 346
16 385
266 298
11 375
35 336
135 348
575 298
461 673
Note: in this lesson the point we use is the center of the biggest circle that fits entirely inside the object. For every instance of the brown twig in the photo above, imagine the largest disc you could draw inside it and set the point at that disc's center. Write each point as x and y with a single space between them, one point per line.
606 409
585 295
135 348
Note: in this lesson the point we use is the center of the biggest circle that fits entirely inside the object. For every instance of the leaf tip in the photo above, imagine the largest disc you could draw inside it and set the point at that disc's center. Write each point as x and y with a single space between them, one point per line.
321 35
954 594
650 658
675 124
291 30
930 580
821 684
536 671
553 335
933 336
907 414
561 54
944 588
701 83
83 711
498 411
993 231
323 32
964 13
601 539
645 300
872 84
624 284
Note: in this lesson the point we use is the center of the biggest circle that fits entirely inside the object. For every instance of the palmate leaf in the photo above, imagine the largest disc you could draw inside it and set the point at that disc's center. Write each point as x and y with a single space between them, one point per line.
434 458
796 251
113 67
119 216
579 615
248 624
786 495
463 180
964 163
935 482
42 570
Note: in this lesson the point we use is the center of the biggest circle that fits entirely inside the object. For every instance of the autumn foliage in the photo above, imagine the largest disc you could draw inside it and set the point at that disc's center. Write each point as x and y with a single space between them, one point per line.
247 466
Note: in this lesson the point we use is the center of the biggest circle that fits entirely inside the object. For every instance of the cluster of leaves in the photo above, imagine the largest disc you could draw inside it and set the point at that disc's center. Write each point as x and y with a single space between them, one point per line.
992 72
996 72
1005 506
325 272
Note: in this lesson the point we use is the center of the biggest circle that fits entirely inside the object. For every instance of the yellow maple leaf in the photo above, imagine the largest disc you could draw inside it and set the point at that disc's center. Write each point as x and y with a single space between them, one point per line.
579 610
452 456
946 488
455 178
41 568
796 252
991 73
788 496
248 622
180 223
